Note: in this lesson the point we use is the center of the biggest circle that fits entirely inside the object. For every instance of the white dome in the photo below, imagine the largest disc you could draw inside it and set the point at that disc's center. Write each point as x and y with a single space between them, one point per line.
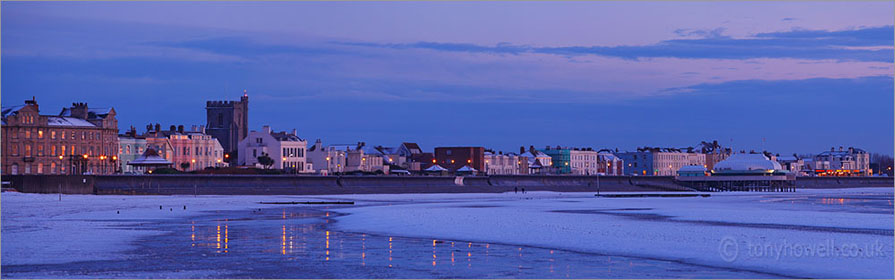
743 162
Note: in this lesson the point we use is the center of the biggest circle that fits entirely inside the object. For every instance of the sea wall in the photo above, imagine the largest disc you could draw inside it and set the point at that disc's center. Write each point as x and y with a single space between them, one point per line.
843 182
189 184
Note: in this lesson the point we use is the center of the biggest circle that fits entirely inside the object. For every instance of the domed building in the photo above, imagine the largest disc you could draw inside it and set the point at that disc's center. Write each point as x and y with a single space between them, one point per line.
739 172
748 164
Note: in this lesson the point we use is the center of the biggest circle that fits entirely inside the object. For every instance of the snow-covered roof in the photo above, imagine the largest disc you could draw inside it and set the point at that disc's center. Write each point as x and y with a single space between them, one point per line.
67 121
466 168
91 112
692 168
787 158
149 157
435 168
842 153
11 110
744 162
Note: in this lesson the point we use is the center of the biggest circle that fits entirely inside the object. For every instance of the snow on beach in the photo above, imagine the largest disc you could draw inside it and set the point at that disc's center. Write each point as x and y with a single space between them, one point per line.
39 229
748 231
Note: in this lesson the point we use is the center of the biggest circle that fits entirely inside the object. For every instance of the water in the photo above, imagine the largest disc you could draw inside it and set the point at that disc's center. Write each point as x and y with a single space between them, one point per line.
298 242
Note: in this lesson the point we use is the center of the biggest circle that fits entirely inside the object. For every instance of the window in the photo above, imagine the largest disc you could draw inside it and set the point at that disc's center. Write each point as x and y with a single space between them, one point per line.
40 168
14 169
28 150
52 168
15 149
254 153
27 168
28 133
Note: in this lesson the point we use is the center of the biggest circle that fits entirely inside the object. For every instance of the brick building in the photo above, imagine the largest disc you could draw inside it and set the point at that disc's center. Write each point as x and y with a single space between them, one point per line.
454 158
76 141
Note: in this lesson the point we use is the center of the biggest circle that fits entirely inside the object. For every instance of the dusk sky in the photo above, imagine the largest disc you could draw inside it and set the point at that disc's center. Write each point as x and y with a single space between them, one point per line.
804 76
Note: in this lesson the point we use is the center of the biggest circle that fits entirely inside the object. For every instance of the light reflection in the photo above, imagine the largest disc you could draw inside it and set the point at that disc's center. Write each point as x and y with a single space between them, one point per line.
327 245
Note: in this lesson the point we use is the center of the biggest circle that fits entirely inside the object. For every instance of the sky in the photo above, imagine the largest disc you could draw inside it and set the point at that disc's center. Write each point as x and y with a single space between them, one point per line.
787 77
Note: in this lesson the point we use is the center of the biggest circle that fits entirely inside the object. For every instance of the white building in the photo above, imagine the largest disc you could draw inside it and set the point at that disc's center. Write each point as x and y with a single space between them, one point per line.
538 162
345 158
850 162
505 164
659 161
287 150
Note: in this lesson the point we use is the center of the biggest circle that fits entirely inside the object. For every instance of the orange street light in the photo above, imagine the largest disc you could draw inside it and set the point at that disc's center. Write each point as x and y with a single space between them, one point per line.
85 156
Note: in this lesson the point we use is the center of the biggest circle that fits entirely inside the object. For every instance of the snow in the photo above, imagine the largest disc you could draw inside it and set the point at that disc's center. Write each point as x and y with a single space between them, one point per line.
67 121
40 229
689 230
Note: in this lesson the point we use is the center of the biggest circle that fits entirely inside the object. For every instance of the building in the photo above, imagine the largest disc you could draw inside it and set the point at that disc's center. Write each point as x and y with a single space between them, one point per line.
453 158
850 162
132 146
713 152
659 161
609 164
794 164
326 160
575 161
504 164
342 158
538 162
228 121
191 150
80 140
287 150
739 172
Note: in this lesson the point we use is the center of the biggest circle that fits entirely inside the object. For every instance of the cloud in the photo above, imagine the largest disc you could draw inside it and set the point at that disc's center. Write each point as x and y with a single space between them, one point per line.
799 44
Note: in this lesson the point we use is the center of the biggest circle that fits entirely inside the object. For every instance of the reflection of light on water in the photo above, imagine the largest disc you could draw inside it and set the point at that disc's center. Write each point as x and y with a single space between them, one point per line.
327 245
283 243
433 252
226 238
219 237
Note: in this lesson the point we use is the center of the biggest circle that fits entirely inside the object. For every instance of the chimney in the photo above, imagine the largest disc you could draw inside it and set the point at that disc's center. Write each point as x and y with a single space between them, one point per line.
32 102
294 132
266 129
173 128
851 150
180 128
840 148
832 149
318 145
79 110
521 150
202 129
148 128
193 128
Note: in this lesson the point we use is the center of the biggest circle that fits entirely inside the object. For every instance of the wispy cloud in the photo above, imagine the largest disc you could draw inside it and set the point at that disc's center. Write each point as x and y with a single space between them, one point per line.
800 44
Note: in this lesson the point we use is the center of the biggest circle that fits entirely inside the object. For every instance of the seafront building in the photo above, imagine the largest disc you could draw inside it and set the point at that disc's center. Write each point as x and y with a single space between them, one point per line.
286 149
848 162
575 161
453 158
191 150
504 164
79 140
132 146
342 158
538 162
659 161
609 164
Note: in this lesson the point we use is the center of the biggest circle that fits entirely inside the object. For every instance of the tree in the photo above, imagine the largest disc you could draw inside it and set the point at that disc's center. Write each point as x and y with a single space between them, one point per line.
265 161
185 165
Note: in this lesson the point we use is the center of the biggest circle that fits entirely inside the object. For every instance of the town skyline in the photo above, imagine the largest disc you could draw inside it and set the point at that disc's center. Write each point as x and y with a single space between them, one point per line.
824 77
